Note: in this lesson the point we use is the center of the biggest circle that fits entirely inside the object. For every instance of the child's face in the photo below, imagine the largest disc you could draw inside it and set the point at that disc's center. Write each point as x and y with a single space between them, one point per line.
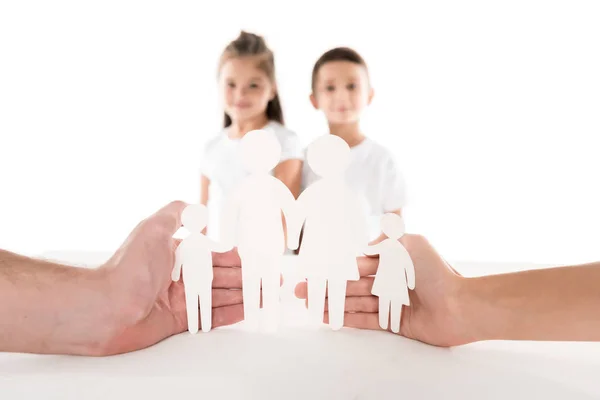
342 91
246 89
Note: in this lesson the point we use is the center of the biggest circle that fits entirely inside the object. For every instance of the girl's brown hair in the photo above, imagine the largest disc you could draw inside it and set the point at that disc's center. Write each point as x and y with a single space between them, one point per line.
251 45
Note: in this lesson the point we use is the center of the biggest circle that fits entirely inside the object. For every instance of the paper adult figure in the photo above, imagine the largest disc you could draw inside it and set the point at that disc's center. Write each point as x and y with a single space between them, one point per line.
395 274
253 214
194 257
335 230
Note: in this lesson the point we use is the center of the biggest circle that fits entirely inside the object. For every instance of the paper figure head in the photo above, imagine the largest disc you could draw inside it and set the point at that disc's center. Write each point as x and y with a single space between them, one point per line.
260 151
392 225
194 217
328 156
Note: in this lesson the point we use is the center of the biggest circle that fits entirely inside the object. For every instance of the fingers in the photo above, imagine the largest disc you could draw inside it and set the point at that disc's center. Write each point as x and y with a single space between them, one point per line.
361 312
227 315
170 215
362 304
366 304
227 278
230 278
301 290
362 287
226 297
360 320
230 258
367 265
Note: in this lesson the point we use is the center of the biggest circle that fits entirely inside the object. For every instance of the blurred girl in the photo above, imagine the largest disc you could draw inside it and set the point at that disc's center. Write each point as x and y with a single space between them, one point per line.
248 87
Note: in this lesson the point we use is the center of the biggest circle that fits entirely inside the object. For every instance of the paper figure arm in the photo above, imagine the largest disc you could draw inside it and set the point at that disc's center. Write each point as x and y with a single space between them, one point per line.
373 249
410 270
217 247
229 218
176 273
295 220
286 201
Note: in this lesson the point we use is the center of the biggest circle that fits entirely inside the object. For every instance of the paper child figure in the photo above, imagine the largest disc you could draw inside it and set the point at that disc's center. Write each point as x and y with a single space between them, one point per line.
193 255
253 214
335 230
395 274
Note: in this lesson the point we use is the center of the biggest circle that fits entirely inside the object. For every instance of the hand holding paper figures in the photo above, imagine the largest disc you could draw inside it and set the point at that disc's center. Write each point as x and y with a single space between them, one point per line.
446 309
433 316
194 256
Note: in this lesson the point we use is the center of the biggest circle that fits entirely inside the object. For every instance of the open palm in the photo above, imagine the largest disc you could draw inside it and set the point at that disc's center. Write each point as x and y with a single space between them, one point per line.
433 316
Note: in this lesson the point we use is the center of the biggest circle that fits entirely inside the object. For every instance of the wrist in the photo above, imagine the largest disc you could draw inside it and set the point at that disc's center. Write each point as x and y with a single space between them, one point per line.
119 311
77 316
98 320
482 310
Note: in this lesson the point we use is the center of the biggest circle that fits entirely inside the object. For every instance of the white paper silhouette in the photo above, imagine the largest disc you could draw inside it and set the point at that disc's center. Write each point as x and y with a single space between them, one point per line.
335 230
193 256
253 214
395 274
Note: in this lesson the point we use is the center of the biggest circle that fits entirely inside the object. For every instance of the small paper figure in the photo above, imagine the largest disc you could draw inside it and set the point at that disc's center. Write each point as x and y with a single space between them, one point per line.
335 230
253 214
193 256
395 274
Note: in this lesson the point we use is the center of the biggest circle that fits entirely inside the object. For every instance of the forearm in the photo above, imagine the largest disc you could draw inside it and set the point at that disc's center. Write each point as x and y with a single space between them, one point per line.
561 304
50 308
204 185
285 230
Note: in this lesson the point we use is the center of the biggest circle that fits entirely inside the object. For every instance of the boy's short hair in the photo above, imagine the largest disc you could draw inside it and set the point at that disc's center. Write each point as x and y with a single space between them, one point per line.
337 54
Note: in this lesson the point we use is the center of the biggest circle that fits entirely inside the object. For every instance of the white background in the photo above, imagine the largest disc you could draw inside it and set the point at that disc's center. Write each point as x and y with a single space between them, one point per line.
492 109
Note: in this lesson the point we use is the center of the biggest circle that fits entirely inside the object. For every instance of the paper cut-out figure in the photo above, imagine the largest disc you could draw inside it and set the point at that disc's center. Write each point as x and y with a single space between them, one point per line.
335 230
193 256
395 274
253 214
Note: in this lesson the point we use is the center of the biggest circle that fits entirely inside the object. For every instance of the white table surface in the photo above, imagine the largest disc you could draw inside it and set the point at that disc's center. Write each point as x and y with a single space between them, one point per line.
302 363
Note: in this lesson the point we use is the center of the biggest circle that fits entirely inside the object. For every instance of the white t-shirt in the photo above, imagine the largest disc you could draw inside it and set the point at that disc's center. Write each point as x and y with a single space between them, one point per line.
221 163
373 174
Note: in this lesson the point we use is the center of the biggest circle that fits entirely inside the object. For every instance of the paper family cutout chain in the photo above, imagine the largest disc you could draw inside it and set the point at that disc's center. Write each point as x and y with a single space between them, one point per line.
335 233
